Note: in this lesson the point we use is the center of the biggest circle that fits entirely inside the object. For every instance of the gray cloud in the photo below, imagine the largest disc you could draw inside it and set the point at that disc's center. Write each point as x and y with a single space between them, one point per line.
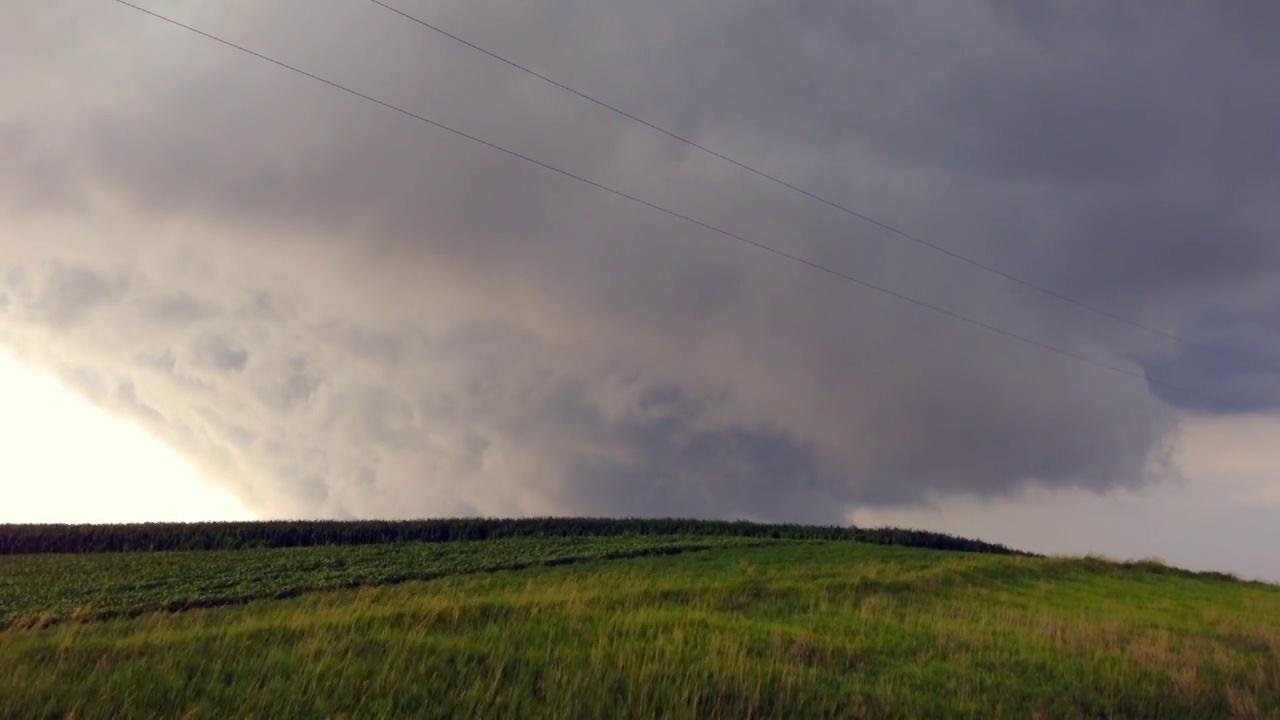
177 308
72 292
341 311
218 354
1227 385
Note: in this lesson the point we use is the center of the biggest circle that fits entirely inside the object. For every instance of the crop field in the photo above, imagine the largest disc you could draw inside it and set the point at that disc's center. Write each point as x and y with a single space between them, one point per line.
40 589
630 626
25 539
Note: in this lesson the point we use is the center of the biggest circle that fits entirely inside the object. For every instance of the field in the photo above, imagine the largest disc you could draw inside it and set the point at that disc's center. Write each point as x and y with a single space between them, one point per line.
630 626
38 590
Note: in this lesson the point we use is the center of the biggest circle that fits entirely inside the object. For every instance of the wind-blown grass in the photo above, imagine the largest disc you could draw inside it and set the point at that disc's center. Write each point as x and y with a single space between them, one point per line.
786 629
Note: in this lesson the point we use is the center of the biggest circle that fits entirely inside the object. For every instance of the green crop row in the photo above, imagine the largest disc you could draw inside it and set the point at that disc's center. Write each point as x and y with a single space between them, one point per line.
37 589
22 539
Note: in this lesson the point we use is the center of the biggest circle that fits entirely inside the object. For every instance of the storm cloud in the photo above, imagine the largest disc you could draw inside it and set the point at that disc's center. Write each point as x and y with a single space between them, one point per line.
339 310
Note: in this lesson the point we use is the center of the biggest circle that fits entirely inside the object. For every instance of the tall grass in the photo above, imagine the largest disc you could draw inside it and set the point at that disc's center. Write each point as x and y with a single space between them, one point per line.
784 630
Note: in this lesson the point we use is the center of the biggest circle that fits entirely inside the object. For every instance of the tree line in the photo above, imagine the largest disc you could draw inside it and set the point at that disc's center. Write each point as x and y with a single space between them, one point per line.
140 537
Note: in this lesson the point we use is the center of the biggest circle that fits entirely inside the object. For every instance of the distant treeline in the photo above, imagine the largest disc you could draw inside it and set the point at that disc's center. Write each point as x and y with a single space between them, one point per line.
27 539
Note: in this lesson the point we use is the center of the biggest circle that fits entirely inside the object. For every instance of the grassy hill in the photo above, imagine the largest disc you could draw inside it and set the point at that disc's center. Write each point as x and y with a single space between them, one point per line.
629 624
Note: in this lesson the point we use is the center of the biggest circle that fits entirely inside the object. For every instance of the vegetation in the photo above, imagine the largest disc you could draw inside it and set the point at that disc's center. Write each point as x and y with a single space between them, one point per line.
761 629
19 539
37 590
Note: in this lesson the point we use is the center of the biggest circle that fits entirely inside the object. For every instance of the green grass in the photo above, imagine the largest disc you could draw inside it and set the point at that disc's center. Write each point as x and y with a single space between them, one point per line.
42 589
780 629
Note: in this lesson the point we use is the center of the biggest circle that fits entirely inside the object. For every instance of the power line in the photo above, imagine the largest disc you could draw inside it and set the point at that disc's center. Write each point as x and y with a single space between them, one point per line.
842 208
680 216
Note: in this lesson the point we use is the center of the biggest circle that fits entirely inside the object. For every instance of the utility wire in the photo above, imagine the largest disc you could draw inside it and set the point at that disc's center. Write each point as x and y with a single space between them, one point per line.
1186 342
680 216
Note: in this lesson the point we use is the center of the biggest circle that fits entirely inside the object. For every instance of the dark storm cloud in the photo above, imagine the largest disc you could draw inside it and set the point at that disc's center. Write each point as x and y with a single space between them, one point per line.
368 316
1133 246
1231 386
674 467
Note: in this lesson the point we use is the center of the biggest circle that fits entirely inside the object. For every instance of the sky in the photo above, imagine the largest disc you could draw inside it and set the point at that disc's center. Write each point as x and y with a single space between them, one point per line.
327 308
66 460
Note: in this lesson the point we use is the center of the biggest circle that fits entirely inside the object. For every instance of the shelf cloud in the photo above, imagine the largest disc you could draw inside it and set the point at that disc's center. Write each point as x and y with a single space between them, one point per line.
339 310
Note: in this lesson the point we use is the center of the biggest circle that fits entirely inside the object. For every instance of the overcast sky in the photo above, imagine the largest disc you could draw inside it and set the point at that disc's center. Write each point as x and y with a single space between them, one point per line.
337 311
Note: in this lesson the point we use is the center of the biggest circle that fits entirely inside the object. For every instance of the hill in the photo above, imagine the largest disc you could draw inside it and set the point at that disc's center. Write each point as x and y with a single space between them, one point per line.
22 539
629 625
